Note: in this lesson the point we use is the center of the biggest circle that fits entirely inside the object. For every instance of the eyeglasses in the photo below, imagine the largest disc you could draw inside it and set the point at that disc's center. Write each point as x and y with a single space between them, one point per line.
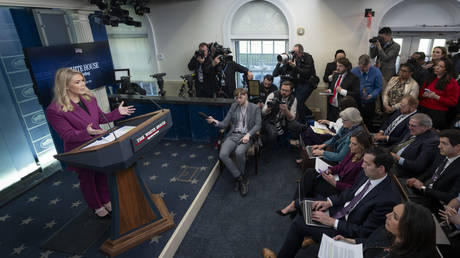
404 71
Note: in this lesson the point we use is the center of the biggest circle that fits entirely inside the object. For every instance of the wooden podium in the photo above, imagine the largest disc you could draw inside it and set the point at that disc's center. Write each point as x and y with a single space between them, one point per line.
137 215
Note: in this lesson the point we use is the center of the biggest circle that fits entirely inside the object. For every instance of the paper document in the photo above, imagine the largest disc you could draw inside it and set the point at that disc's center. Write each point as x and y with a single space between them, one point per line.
331 248
318 130
325 94
320 126
320 165
110 137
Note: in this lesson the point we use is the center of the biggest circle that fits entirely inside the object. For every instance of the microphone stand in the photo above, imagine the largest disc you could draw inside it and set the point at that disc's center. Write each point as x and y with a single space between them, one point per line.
110 127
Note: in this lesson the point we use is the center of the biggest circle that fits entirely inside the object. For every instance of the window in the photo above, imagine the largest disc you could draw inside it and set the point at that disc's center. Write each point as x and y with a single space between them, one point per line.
259 56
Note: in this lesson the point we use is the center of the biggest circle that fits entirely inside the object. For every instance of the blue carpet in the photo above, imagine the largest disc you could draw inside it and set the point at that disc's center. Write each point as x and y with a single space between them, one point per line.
229 225
176 170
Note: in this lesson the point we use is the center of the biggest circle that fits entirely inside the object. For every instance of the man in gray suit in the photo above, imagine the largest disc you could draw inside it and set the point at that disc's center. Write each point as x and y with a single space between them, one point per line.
245 119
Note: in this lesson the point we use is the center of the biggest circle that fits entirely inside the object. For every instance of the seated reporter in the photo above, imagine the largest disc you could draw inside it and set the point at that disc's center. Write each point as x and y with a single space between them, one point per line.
265 88
356 212
409 231
347 171
246 121
339 144
450 214
397 125
417 150
309 137
279 114
441 182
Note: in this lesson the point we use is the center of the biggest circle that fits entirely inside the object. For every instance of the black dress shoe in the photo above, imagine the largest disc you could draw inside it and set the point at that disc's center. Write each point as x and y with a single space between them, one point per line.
291 213
244 186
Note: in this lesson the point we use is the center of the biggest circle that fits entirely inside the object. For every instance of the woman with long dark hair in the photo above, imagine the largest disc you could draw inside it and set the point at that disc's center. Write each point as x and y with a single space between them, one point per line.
439 92
409 232
336 178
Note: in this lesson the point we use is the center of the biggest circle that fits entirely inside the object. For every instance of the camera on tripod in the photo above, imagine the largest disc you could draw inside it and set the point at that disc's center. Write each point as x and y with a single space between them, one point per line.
286 57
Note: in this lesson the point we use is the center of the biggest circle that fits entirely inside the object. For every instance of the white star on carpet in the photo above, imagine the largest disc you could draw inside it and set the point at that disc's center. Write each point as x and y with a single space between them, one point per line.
57 183
26 221
18 250
173 214
157 153
50 224
200 146
155 239
32 199
162 194
172 180
153 177
76 185
194 181
210 157
75 204
46 254
4 218
183 145
167 144
55 201
183 197
192 156
146 163
183 166
76 256
203 168
164 165
174 154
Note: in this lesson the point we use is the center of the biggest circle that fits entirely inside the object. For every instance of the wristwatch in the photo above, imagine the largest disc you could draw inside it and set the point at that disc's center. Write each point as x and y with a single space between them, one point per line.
423 188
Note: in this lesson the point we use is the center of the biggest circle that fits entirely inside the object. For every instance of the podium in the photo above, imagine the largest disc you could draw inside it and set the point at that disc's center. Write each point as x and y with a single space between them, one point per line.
137 215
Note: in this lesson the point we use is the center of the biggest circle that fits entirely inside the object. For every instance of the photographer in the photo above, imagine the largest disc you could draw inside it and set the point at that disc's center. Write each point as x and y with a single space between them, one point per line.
298 67
265 89
205 83
279 114
224 68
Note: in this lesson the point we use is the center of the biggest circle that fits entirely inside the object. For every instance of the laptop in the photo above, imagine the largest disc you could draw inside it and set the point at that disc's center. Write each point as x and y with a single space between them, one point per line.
309 150
308 213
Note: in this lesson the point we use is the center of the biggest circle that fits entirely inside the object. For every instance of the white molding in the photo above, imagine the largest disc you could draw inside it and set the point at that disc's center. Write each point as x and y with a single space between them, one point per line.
425 29
173 244
256 37
153 43
227 26
62 4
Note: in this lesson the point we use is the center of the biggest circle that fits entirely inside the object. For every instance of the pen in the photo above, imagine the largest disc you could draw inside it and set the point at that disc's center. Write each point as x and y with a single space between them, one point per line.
320 172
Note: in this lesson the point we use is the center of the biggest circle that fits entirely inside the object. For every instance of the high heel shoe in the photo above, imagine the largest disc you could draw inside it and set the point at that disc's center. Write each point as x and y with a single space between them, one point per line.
291 213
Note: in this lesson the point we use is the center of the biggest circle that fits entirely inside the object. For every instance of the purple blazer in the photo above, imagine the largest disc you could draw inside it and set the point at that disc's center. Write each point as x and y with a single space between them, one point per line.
71 125
348 171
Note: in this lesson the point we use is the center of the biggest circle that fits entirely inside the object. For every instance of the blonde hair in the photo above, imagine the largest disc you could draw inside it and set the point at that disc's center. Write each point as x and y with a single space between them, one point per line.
61 83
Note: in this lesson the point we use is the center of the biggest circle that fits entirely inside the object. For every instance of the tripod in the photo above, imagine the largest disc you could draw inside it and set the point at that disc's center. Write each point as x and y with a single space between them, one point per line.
189 82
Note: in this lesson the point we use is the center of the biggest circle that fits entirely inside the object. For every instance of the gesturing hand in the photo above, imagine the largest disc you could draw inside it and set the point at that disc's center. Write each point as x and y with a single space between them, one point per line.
126 110
92 131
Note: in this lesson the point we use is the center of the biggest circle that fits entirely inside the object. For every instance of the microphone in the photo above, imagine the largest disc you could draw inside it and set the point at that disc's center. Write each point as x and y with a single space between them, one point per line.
110 127
151 100
204 116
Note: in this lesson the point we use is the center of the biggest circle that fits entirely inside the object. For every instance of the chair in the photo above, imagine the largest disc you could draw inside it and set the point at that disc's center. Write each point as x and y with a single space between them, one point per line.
254 150
400 187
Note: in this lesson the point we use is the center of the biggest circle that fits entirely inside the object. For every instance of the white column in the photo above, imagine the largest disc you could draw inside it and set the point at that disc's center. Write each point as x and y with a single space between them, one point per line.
81 26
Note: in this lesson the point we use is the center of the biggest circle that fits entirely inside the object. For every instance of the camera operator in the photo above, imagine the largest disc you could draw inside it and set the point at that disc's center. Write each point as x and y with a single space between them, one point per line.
205 83
224 68
265 88
298 67
279 114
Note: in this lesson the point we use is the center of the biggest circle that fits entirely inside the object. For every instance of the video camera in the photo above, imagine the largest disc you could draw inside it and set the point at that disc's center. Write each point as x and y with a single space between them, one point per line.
374 40
219 50
453 45
130 88
285 57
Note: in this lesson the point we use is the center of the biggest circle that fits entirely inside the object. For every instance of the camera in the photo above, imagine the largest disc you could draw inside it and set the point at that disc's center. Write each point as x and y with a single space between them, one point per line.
219 50
199 53
453 45
274 103
285 57
375 39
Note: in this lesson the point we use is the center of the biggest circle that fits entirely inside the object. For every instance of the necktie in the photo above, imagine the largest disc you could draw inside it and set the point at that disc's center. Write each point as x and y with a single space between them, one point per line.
345 210
393 125
404 144
335 88
437 173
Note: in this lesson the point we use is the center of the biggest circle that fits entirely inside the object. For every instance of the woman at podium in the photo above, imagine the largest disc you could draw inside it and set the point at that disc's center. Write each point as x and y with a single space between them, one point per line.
75 116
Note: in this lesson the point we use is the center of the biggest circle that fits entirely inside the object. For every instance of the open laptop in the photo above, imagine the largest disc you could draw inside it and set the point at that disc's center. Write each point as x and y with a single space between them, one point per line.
308 213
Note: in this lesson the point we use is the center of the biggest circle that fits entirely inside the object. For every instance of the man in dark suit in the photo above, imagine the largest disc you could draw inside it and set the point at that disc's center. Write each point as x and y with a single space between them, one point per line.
397 126
246 120
331 68
356 211
442 181
417 150
344 84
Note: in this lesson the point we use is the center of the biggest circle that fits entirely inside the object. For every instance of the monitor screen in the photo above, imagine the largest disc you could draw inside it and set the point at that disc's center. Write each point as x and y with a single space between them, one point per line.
120 73
92 59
